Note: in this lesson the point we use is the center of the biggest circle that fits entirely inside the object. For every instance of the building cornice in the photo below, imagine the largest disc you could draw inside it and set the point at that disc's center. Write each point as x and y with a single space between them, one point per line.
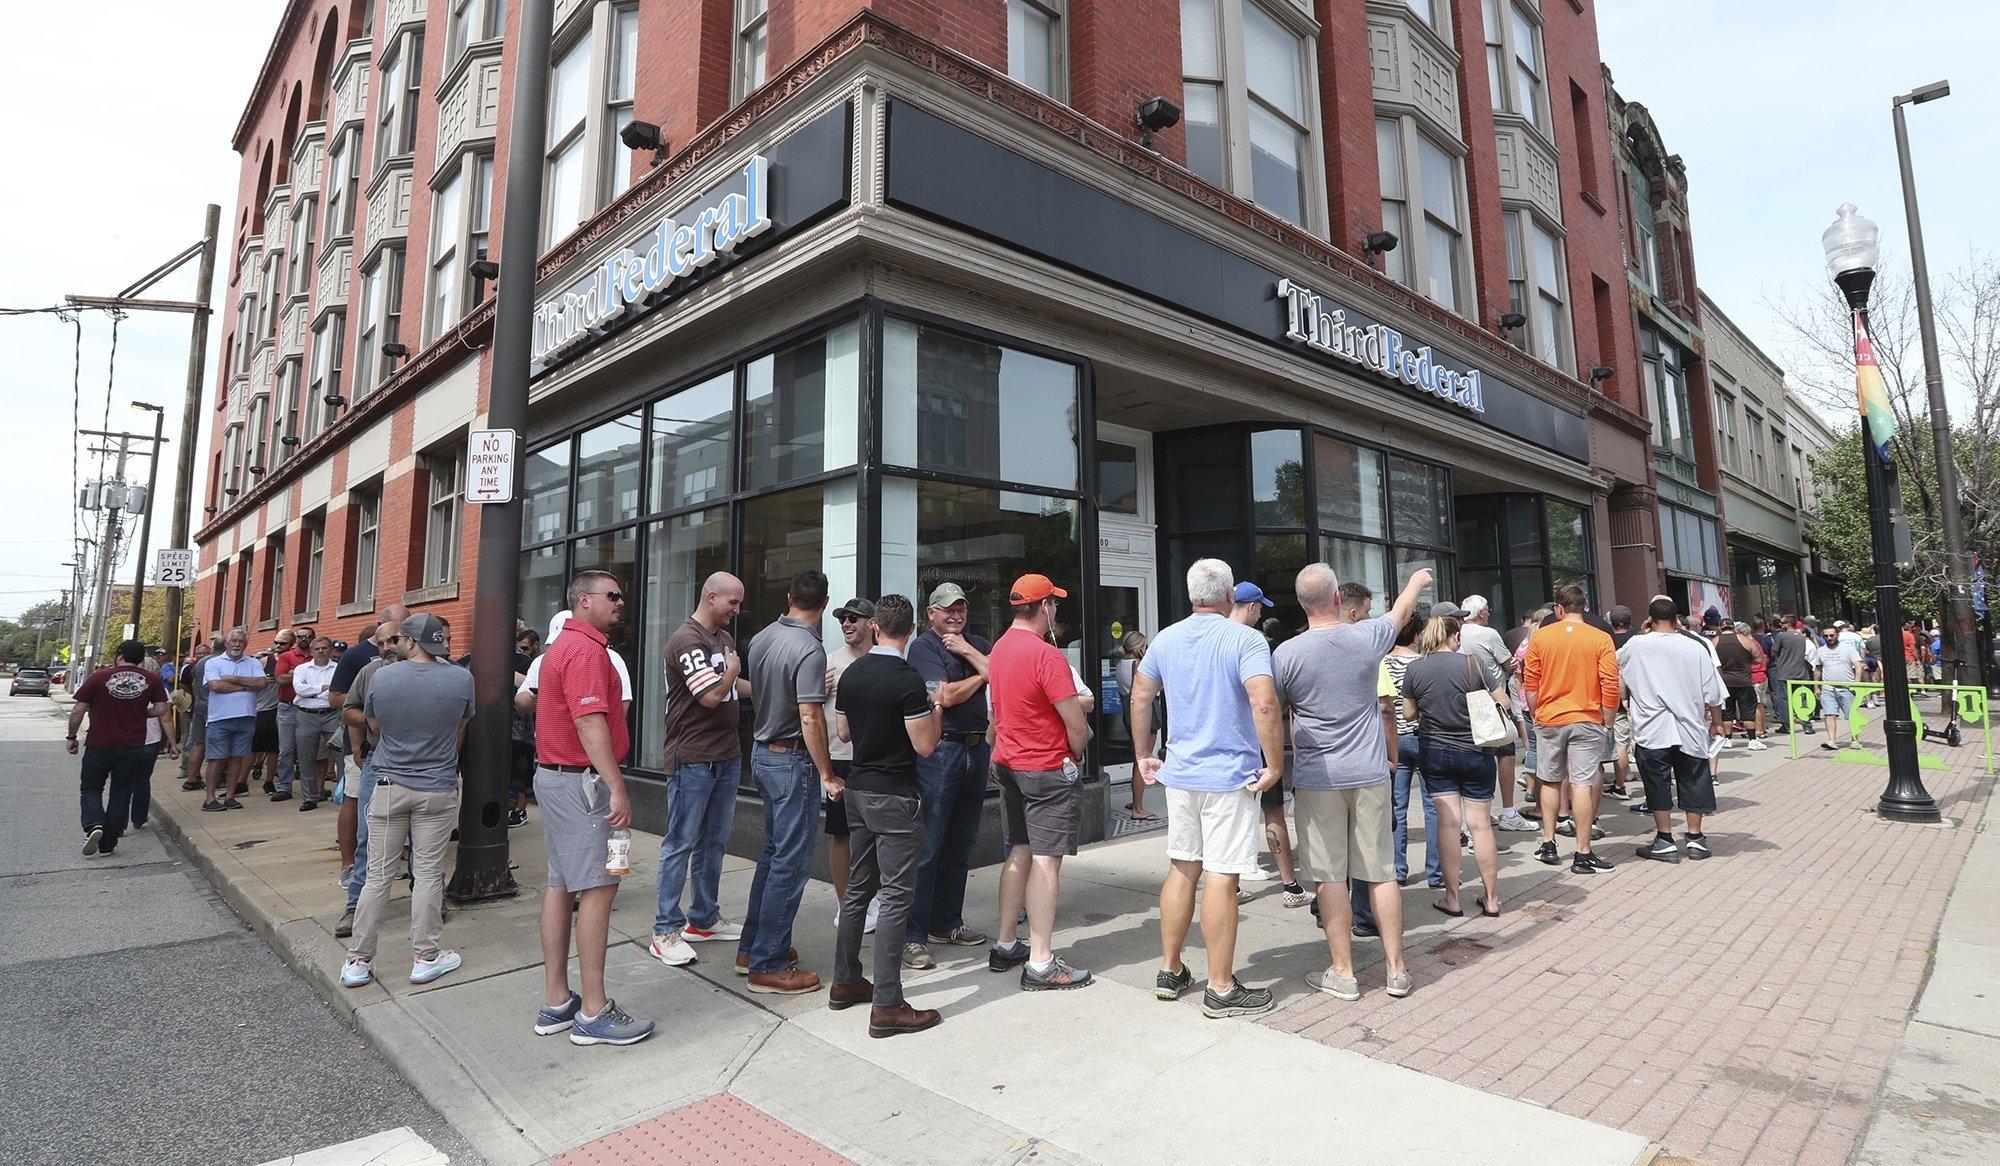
281 39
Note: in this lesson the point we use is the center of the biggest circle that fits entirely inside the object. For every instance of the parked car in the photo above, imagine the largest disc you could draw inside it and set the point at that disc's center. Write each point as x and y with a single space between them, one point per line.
32 681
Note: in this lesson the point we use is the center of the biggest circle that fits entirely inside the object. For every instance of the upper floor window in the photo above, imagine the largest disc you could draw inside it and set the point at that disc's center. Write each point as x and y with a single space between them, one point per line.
1250 102
584 121
1645 230
367 506
618 98
1537 287
313 539
305 228
1753 424
443 302
1666 372
343 182
325 382
1427 11
1514 68
1725 427
1037 45
1423 205
381 318
396 107
441 521
752 47
471 21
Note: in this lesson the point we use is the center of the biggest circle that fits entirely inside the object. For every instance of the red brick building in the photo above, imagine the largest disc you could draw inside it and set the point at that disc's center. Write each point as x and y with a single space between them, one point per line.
914 295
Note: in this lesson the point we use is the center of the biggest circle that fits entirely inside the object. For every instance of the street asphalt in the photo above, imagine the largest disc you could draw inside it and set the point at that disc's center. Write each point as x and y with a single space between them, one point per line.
141 1020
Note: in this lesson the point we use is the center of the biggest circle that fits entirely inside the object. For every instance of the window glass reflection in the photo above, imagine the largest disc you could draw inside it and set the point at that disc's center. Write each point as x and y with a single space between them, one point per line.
616 551
1417 503
1117 478
690 445
1359 562
966 406
542 584
681 553
545 494
1350 488
1280 558
1277 478
802 409
607 473
981 539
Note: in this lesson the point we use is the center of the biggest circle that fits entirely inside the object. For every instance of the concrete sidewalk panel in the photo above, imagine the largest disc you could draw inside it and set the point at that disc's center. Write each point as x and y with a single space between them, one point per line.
1939 1104
1962 991
873 1115
563 1095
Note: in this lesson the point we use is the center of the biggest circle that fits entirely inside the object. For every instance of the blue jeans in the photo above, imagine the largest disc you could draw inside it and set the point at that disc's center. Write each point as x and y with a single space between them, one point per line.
357 875
790 788
952 784
122 766
701 806
288 723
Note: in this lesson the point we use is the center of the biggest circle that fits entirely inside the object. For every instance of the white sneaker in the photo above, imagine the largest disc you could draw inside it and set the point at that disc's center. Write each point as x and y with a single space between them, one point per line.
424 971
723 930
671 950
874 910
356 974
1512 820
1264 874
1756 745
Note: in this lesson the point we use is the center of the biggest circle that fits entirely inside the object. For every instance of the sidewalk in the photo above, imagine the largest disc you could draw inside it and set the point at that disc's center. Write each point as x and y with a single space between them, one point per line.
1810 925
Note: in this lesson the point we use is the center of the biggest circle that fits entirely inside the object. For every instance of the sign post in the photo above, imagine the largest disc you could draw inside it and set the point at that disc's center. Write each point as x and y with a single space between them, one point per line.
489 461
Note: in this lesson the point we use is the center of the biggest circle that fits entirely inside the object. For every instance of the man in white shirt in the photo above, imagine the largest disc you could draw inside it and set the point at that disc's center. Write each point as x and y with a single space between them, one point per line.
1675 695
315 720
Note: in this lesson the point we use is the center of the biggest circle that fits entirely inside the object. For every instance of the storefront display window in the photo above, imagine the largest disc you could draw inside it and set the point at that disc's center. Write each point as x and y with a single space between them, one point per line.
689 445
1277 478
982 539
607 473
802 409
1117 477
972 408
681 553
1350 488
545 494
1518 548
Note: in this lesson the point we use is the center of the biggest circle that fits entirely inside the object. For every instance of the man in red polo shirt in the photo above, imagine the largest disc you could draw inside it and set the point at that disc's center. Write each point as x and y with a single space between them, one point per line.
1040 731
580 741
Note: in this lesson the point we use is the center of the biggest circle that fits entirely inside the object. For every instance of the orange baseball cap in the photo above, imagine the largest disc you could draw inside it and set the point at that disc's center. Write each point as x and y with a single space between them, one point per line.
1033 589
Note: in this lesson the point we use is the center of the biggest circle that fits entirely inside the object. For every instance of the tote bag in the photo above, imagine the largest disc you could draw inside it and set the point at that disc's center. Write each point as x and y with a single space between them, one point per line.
1489 728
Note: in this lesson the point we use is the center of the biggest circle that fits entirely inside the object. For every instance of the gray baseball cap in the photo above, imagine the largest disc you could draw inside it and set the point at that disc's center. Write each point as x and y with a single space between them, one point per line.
426 631
946 594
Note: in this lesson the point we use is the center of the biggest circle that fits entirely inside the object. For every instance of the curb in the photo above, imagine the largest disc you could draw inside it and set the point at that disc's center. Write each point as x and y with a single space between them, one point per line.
440 1078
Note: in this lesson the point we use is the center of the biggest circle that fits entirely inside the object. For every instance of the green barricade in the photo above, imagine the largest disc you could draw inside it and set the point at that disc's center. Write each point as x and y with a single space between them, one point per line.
1974 710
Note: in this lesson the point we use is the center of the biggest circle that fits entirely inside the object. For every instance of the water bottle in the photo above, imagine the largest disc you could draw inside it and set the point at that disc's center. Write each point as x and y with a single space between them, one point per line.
618 853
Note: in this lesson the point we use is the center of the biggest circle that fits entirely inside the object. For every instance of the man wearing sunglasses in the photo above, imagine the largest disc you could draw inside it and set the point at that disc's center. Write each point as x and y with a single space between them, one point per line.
581 741
704 755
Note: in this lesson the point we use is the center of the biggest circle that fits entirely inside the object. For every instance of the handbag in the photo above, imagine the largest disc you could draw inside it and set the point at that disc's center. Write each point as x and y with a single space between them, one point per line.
1490 729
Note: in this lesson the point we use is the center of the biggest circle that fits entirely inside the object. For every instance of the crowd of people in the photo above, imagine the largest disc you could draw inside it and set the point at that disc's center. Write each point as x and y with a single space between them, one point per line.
889 745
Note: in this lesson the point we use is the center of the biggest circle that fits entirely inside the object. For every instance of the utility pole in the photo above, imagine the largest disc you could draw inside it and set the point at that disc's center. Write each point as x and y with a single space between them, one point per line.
204 284
81 570
146 522
482 871
113 497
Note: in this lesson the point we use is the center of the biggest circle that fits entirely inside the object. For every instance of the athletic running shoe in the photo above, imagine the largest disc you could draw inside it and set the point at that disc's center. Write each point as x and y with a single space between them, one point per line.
1338 987
424 971
345 927
356 974
1546 854
1006 959
1661 850
1756 745
1238 1001
1566 827
1169 985
720 929
231 804
959 937
1298 898
554 1018
613 1026
304 806
1697 846
1512 820
1465 839
1400 984
672 950
516 818
93 841
1057 977
1593 863
916 955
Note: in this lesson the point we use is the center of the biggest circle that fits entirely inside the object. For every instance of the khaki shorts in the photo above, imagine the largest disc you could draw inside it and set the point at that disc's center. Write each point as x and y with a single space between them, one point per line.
1345 834
1222 831
1572 753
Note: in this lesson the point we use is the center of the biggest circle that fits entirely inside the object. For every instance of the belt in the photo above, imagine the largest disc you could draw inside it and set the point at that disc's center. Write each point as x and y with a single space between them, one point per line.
567 768
978 738
783 744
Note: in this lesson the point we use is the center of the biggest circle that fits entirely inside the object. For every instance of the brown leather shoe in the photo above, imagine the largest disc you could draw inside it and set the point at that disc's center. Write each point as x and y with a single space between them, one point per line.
841 996
790 982
900 1019
743 961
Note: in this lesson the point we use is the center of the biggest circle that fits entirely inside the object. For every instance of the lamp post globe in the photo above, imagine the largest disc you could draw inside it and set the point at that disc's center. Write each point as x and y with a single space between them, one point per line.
1853 248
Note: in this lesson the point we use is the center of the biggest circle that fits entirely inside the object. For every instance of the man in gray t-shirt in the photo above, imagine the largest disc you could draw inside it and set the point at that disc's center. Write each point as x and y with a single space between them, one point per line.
418 709
788 760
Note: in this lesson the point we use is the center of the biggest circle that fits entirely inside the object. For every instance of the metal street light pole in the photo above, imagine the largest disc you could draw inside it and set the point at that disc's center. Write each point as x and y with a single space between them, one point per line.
482 871
1959 636
146 518
1852 247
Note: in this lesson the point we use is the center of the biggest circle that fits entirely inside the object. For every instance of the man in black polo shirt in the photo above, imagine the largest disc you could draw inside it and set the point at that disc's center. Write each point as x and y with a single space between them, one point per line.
952 780
883 708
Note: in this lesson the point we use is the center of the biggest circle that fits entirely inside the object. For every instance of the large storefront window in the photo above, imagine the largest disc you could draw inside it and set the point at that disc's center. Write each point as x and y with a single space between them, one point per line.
982 539
1518 548
802 409
681 552
1688 543
1762 585
969 408
1270 500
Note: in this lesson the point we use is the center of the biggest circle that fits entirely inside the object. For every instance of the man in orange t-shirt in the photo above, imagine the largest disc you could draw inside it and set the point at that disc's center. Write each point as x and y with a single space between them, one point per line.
1569 682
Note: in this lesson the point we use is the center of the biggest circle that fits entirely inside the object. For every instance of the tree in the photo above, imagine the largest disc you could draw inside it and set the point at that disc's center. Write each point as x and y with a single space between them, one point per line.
1820 365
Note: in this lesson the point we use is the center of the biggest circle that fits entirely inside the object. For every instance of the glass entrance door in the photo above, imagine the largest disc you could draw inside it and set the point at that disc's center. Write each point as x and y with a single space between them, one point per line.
1124 605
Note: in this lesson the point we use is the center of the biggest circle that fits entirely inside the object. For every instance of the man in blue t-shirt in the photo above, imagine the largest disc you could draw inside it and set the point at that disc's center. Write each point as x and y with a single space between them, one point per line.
1227 748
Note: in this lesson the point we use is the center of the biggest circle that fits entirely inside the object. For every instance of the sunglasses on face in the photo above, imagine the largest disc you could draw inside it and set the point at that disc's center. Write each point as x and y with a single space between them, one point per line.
847 619
613 596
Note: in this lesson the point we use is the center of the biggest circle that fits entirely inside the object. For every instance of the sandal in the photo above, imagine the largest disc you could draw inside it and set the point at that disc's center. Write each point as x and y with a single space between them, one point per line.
1439 907
1492 914
1143 815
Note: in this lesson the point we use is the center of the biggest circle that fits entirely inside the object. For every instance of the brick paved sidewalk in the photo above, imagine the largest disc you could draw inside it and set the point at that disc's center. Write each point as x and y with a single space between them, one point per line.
720 1130
1743 1009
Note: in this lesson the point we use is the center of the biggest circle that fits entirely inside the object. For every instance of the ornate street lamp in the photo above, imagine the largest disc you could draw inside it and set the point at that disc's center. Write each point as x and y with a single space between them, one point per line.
1853 247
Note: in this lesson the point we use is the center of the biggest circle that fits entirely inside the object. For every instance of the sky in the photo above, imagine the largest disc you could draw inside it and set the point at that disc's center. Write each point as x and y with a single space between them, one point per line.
120 114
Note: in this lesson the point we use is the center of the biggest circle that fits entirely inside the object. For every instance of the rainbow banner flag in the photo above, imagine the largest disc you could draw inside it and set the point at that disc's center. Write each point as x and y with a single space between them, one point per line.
1873 393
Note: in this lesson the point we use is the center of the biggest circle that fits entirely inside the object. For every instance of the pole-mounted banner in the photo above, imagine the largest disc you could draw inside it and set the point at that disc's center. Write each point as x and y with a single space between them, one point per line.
1873 394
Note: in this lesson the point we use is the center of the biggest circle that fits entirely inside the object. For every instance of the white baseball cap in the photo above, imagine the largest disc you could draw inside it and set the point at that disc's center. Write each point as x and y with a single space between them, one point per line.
1473 604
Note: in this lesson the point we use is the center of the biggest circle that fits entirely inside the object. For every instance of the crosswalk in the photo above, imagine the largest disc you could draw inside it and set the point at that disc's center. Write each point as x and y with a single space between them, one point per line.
401 1146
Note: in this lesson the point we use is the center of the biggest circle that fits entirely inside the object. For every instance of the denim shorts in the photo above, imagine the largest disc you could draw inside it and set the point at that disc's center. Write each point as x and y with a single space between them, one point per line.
1451 771
228 738
1835 701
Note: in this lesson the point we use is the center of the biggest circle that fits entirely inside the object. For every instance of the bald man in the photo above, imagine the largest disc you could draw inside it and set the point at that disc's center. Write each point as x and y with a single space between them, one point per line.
705 694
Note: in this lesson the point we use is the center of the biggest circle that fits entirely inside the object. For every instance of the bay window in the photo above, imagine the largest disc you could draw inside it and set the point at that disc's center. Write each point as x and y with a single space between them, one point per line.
1537 287
1250 97
1514 68
1423 203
